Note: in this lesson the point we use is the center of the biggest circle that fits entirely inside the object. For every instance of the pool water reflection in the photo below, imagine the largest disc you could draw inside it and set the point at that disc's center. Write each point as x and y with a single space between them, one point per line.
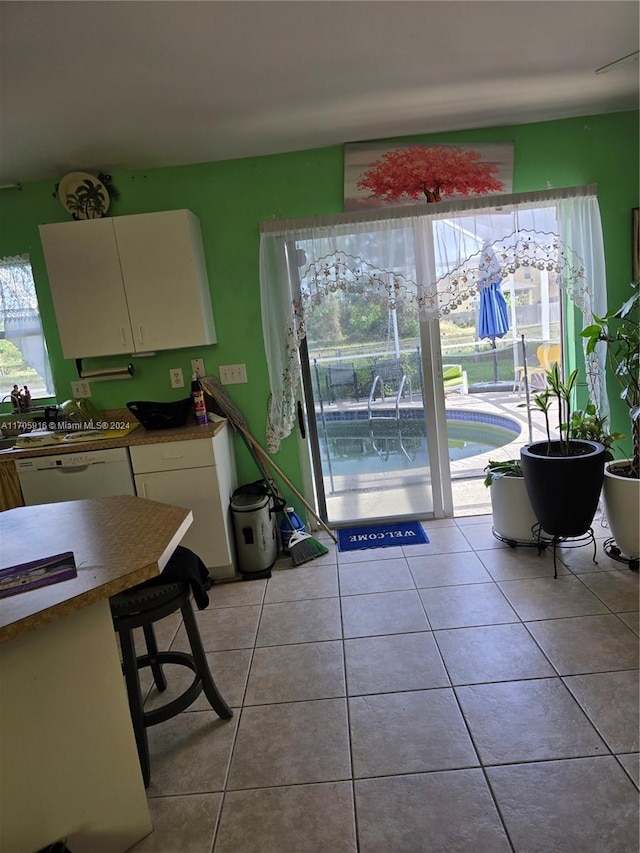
351 443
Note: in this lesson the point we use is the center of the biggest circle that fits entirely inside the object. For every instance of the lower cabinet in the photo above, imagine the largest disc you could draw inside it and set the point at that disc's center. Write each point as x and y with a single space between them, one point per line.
10 491
198 474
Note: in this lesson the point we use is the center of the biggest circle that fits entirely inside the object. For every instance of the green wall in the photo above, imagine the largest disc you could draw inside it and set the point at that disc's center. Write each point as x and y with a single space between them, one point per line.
232 197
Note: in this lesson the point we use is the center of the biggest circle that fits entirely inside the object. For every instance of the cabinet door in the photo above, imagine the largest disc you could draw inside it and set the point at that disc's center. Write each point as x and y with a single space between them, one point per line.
87 288
195 489
165 280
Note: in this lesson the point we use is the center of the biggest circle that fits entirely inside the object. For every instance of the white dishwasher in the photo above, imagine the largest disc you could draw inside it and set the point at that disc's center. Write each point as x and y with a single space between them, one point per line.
75 476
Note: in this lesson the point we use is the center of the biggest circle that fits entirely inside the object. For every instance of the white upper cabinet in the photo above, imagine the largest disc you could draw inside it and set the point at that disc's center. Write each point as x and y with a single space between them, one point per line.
87 288
129 284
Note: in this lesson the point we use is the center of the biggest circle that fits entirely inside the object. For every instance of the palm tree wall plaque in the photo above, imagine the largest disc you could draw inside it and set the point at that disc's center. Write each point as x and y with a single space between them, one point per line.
88 201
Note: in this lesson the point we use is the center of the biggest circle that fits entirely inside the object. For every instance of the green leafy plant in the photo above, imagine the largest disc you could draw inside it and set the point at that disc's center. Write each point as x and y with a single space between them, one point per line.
587 424
505 468
562 391
558 391
619 330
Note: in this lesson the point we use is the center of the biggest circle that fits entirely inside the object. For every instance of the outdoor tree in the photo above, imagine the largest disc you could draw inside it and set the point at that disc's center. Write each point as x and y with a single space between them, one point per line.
324 323
433 171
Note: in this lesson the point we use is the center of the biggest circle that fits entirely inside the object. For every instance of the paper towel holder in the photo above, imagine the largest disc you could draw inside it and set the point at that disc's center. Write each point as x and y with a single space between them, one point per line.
106 373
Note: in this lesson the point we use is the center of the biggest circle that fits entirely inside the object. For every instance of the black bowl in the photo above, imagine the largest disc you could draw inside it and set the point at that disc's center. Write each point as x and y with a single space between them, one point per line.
161 415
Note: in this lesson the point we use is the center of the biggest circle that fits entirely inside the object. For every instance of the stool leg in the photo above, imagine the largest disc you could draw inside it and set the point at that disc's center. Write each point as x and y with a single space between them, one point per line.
130 669
152 651
197 651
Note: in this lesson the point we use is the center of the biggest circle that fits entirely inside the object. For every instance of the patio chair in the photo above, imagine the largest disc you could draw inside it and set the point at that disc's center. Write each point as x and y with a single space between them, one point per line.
547 355
342 376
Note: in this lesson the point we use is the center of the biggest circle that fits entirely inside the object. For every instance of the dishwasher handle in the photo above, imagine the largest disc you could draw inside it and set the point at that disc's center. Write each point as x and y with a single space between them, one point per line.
79 469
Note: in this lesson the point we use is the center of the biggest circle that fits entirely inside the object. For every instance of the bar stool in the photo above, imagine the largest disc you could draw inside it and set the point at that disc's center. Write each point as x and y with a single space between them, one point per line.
140 607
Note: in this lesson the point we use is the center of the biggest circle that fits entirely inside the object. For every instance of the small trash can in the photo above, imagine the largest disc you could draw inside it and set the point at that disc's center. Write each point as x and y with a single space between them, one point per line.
254 525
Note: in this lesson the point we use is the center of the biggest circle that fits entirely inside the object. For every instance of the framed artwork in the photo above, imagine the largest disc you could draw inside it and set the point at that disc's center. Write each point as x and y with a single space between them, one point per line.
384 174
635 243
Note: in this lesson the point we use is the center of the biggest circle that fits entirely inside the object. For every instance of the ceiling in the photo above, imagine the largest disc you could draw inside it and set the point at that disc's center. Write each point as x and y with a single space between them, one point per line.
106 85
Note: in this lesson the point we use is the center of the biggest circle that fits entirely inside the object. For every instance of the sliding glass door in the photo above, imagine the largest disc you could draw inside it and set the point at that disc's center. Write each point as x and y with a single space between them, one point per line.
406 411
366 388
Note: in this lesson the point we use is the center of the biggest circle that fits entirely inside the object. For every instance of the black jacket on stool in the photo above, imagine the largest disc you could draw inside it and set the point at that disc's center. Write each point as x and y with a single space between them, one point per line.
185 565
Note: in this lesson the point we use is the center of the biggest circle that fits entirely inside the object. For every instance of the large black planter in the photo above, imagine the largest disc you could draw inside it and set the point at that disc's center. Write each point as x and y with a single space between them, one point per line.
564 490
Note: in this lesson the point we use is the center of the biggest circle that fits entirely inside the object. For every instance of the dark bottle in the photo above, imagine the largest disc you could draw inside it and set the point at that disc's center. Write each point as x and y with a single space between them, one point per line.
199 404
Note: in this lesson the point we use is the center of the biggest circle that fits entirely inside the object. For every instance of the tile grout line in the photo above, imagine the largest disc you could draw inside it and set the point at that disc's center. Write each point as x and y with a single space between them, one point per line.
225 783
348 710
472 739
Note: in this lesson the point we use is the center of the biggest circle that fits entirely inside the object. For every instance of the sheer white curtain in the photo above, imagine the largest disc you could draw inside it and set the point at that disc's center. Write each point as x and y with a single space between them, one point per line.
434 255
580 227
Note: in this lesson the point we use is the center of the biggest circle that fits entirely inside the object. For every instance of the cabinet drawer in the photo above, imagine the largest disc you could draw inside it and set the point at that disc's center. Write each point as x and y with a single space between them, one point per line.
172 455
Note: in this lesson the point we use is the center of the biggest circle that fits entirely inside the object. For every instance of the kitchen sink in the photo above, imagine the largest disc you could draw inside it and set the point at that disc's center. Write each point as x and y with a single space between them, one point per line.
8 443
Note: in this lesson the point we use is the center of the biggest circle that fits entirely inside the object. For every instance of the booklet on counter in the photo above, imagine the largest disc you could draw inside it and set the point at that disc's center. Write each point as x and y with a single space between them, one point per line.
27 576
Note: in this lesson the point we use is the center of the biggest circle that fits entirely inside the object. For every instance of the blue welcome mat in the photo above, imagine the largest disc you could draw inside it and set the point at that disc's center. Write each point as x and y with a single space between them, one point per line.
381 536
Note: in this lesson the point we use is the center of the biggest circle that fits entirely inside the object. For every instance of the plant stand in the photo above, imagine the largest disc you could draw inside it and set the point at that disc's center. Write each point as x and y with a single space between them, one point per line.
611 549
544 539
540 543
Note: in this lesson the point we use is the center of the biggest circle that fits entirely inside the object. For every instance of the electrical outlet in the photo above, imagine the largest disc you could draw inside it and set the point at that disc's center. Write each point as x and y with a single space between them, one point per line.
197 366
233 374
81 389
177 379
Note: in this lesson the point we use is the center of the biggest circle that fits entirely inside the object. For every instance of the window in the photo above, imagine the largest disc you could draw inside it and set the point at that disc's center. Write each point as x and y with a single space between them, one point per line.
23 351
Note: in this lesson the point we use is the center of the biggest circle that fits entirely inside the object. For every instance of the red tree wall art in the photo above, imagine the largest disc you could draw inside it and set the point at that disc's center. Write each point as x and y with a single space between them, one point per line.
419 172
404 174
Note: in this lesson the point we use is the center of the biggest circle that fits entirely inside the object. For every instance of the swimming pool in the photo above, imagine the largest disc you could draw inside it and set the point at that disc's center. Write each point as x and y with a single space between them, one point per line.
351 443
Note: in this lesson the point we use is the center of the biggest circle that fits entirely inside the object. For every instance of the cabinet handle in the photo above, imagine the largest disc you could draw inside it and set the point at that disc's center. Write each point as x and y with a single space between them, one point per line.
140 334
144 489
122 335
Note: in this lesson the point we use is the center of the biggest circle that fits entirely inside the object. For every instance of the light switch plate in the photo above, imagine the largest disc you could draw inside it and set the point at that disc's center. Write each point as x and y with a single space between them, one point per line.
197 366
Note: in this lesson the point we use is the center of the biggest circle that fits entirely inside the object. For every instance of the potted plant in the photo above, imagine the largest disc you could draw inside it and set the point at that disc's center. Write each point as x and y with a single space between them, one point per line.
619 330
513 516
563 476
588 424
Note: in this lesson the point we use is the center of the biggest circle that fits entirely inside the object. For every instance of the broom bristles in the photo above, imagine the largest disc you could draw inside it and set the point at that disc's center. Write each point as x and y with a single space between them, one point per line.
303 547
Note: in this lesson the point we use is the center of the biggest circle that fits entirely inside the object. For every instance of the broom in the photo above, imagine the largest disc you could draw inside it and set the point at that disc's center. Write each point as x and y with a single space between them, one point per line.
302 546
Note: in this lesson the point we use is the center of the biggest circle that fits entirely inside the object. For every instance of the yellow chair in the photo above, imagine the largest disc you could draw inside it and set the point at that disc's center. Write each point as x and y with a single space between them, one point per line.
547 355
454 378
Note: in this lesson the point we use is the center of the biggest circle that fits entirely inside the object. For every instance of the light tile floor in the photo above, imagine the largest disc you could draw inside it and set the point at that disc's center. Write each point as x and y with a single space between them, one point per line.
449 696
